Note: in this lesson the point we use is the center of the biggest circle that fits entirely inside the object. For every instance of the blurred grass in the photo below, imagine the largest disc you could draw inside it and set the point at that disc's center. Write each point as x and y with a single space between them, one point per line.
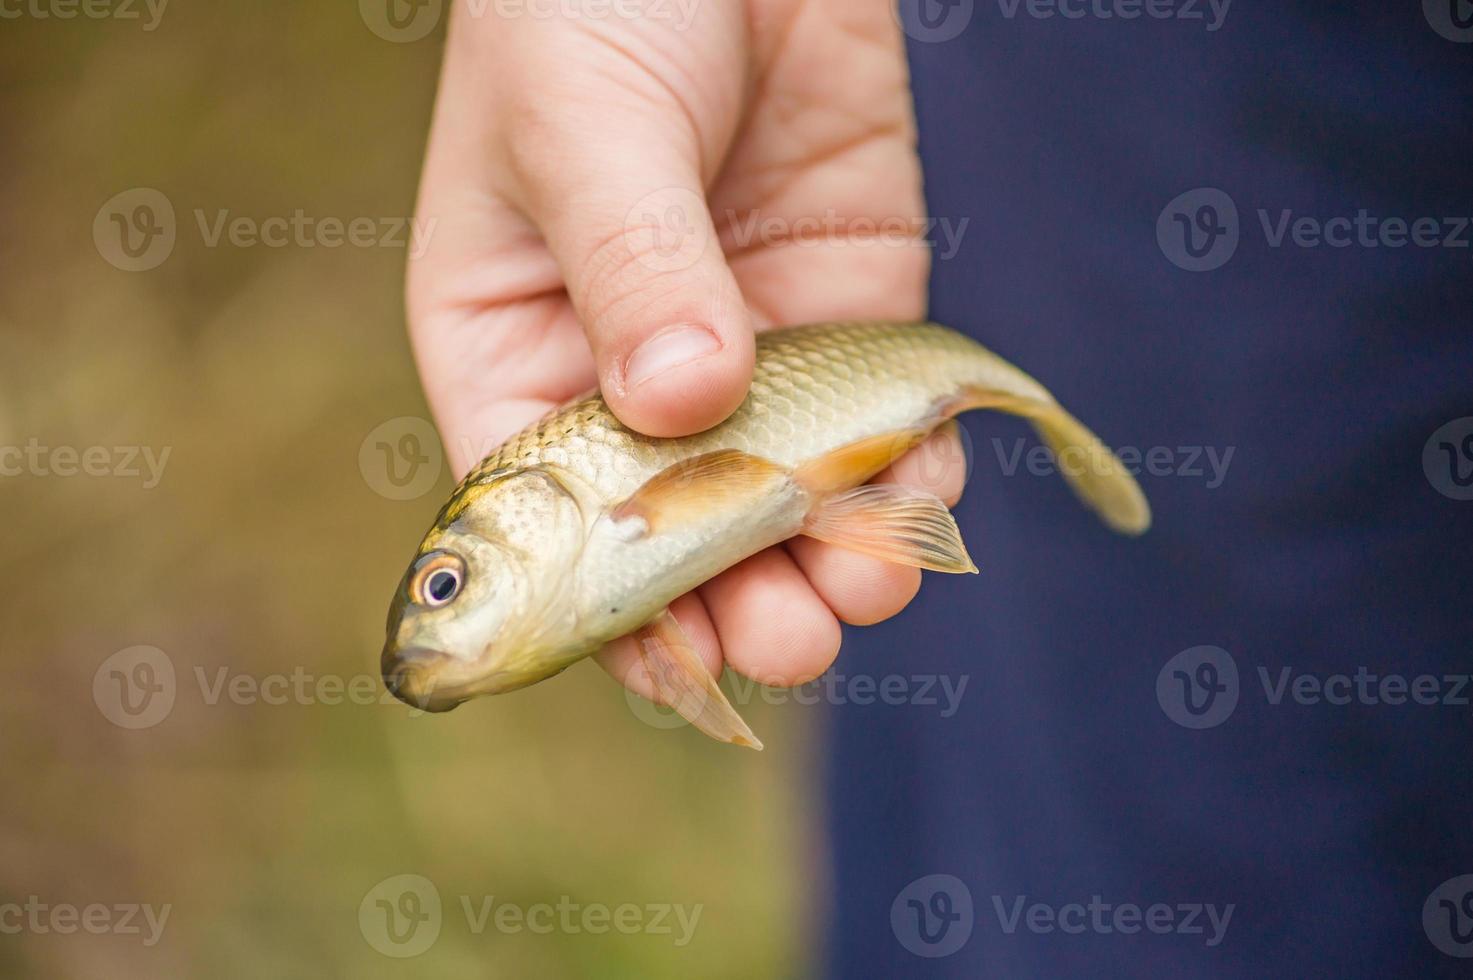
264 550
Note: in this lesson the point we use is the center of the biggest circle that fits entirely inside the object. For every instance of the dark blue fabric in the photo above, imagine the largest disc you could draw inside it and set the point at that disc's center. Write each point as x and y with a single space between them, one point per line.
1325 549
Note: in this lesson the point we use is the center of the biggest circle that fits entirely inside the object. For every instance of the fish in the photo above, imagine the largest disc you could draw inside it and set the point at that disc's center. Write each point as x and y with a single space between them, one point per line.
579 530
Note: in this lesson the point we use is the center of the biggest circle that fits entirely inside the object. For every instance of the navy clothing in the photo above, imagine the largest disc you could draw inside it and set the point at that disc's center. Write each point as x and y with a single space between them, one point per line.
1066 778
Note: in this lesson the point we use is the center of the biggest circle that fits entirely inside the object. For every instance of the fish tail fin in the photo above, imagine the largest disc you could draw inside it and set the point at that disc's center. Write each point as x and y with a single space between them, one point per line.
1095 473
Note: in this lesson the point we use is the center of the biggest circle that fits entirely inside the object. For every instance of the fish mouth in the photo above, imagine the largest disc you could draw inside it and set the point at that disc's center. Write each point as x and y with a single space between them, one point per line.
414 676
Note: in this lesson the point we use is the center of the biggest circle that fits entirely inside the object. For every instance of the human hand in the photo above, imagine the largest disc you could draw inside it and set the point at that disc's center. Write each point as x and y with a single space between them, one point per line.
573 170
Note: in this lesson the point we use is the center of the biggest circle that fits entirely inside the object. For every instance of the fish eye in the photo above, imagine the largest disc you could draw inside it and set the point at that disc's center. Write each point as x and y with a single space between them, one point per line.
437 580
442 585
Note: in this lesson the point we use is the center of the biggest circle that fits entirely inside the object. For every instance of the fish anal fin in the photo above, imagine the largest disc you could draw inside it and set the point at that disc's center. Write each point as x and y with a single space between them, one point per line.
688 491
852 464
896 523
683 683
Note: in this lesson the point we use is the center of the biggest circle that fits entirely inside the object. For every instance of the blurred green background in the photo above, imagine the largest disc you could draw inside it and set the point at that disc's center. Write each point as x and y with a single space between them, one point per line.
269 548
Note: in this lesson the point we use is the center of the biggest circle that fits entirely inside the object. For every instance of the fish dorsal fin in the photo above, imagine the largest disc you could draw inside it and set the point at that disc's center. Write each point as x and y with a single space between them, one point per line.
683 683
689 490
892 522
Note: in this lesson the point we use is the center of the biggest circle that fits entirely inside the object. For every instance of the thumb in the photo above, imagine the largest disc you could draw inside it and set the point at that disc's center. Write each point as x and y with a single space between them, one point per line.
626 218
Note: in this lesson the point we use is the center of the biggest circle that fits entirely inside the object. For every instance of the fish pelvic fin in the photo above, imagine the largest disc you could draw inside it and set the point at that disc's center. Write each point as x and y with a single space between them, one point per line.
687 491
1095 473
683 683
893 522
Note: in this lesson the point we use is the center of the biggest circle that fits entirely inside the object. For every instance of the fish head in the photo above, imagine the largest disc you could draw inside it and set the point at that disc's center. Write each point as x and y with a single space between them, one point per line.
476 611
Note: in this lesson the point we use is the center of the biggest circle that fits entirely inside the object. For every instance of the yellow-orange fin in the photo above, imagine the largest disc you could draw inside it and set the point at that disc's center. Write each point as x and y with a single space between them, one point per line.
1095 473
852 464
683 683
896 523
690 489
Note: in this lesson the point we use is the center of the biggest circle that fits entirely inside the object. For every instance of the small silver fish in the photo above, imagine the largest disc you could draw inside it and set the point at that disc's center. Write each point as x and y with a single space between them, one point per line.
578 530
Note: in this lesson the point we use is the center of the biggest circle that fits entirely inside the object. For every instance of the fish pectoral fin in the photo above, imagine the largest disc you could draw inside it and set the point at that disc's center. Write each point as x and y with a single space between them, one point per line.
683 683
691 488
1095 473
896 523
